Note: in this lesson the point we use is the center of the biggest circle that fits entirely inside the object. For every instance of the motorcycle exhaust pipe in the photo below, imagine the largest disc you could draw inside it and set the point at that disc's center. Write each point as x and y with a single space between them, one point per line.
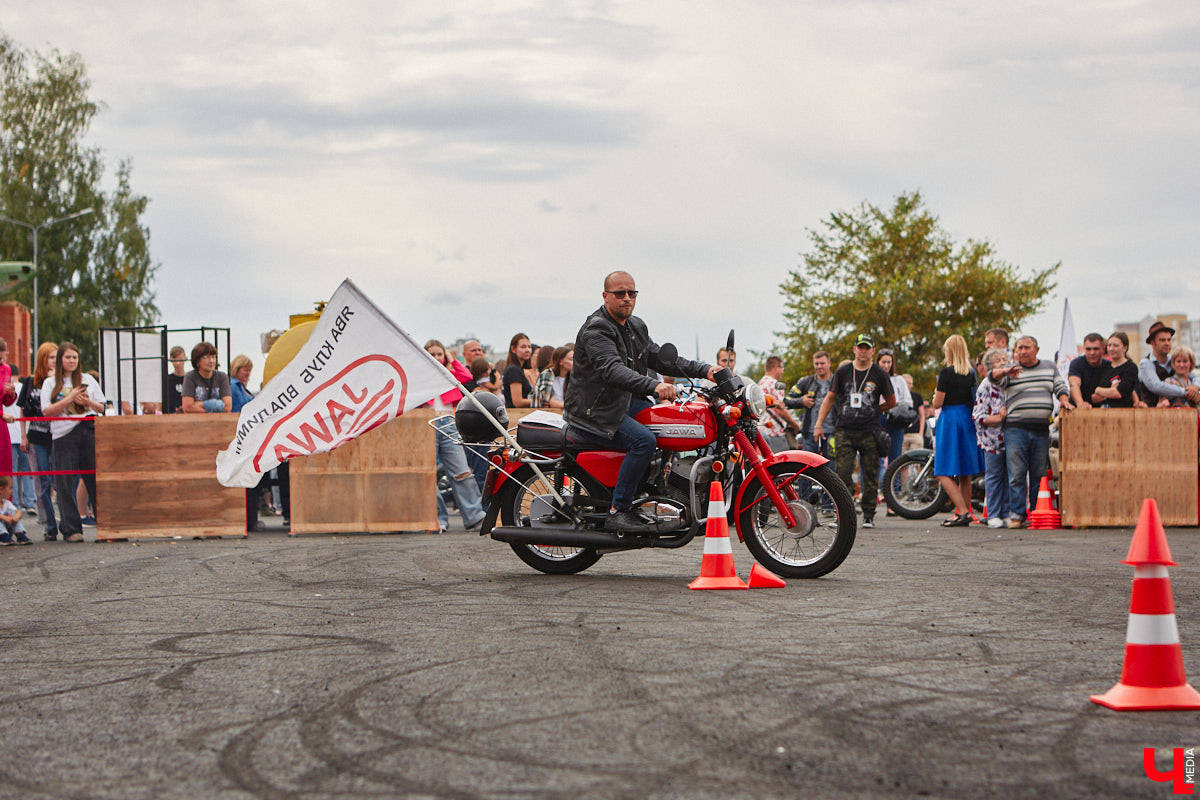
591 540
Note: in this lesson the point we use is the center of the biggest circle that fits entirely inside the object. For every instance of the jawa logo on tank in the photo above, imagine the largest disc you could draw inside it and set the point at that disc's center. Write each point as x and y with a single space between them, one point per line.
364 395
676 431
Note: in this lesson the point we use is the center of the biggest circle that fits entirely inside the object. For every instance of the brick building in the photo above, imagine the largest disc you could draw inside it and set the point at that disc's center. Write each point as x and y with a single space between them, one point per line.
16 330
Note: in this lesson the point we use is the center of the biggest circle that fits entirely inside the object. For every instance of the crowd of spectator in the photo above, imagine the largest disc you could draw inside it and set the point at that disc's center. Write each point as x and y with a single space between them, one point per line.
528 377
994 419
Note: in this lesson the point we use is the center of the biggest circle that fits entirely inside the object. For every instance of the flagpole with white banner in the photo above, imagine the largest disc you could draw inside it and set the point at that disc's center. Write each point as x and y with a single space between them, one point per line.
1067 349
357 371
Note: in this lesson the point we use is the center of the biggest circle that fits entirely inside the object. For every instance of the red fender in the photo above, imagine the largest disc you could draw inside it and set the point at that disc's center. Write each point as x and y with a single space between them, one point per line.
497 475
786 456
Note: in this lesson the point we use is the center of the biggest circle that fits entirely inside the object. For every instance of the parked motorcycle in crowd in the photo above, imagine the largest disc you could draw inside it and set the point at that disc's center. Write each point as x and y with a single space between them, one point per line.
914 492
790 508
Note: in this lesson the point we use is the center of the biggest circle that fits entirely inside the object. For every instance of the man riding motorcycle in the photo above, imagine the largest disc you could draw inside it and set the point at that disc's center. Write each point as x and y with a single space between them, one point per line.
609 384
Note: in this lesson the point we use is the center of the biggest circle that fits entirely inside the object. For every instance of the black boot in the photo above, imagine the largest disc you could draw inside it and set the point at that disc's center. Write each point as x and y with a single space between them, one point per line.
629 521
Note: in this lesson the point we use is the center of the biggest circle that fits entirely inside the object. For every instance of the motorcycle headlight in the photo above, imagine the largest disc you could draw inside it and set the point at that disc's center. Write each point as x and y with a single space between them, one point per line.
756 401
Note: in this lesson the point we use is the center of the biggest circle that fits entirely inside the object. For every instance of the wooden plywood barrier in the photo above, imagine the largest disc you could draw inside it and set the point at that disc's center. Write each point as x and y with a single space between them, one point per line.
156 476
1112 459
385 480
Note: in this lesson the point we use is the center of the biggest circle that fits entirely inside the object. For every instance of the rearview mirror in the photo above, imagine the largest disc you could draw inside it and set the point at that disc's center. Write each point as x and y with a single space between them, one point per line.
668 354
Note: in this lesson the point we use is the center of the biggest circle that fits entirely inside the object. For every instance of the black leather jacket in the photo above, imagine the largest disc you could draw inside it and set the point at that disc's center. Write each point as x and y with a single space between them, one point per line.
611 362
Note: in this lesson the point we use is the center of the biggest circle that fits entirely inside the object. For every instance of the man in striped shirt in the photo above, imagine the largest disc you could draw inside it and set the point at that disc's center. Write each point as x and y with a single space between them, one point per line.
1030 386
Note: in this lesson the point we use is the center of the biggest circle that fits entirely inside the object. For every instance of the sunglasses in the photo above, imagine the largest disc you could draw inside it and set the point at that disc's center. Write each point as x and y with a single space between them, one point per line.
620 293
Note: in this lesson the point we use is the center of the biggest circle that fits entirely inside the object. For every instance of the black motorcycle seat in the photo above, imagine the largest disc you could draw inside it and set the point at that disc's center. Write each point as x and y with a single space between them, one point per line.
539 437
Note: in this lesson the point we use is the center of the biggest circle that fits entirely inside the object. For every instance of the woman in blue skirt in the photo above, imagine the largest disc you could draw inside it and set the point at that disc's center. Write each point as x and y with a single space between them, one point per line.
956 456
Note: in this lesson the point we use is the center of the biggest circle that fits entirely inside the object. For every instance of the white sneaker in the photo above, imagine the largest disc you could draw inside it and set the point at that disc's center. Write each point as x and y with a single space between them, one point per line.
995 522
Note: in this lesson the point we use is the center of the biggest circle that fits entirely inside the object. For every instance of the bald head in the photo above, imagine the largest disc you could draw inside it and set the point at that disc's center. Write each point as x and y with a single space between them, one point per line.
472 350
613 278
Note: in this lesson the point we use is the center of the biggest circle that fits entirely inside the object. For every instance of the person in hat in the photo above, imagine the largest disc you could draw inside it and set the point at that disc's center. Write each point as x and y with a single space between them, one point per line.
1156 368
860 392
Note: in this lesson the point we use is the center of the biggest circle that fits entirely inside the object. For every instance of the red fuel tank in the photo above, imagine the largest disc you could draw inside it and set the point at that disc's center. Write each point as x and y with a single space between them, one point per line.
686 427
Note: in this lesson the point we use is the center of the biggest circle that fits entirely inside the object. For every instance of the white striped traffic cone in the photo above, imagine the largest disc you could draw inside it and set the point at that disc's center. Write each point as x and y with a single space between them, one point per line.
1152 677
1044 517
716 568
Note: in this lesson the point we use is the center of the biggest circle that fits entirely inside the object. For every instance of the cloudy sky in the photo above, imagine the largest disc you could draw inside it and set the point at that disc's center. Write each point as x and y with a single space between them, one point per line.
478 167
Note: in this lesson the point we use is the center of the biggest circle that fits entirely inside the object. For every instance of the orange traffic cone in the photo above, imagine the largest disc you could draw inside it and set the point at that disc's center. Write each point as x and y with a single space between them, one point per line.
1152 677
763 578
716 568
1045 517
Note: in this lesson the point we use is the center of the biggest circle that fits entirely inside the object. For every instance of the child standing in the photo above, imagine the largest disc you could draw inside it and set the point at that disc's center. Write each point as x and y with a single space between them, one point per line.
10 515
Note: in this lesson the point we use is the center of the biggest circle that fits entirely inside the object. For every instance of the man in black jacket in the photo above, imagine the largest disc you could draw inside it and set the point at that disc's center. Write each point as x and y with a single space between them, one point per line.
609 385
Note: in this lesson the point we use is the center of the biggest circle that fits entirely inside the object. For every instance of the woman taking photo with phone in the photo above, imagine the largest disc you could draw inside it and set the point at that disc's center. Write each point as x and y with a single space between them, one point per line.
74 396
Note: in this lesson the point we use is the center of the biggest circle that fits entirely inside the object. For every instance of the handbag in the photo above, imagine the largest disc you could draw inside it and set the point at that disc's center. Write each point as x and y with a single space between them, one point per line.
883 441
901 417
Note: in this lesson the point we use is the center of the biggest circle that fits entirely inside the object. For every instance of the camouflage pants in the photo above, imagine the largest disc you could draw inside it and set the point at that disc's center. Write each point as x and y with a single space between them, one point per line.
849 445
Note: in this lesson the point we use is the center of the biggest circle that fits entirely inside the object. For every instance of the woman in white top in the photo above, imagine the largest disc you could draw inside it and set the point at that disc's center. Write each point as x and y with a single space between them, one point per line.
74 396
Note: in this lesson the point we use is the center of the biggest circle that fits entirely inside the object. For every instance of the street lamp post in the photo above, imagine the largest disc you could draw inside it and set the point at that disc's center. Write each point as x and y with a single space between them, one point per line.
35 229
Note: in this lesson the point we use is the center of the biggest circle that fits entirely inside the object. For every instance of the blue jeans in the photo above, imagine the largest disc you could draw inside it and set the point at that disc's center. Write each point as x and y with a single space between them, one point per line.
43 460
1028 456
632 437
897 447
995 480
453 460
477 457
23 496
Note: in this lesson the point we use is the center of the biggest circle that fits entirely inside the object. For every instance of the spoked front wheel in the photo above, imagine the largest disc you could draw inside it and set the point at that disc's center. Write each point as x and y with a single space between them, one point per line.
824 528
910 487
527 502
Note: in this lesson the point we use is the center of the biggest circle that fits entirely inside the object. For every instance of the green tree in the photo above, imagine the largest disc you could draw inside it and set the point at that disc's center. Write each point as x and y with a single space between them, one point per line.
95 270
898 276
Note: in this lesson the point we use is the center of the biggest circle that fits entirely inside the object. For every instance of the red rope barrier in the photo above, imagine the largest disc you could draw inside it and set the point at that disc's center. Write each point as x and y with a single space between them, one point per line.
91 418
57 471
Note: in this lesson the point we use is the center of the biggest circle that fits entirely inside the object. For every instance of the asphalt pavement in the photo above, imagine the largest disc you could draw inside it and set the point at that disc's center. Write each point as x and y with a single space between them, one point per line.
935 662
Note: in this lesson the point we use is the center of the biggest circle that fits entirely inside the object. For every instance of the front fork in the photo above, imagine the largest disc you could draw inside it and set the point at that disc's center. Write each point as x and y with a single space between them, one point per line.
753 456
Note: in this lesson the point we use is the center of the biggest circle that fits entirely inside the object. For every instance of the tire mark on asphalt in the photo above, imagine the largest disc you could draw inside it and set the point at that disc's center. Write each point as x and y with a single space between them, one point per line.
34 788
176 678
236 758
317 738
76 688
40 566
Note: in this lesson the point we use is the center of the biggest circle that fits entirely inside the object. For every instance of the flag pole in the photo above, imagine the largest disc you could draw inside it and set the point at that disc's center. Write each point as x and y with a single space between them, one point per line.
457 384
495 422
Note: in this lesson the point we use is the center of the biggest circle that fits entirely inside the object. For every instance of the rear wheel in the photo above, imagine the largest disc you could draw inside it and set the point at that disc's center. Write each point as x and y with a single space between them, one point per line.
530 506
911 489
824 528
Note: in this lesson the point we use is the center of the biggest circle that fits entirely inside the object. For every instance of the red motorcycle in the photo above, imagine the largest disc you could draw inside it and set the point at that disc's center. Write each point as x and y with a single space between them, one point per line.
790 508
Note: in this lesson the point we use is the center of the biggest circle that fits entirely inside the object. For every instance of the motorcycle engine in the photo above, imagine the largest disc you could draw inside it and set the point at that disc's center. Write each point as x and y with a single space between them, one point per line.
680 478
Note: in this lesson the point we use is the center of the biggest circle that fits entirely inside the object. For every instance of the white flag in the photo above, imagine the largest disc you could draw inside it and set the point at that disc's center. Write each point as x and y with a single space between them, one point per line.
357 371
1067 349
